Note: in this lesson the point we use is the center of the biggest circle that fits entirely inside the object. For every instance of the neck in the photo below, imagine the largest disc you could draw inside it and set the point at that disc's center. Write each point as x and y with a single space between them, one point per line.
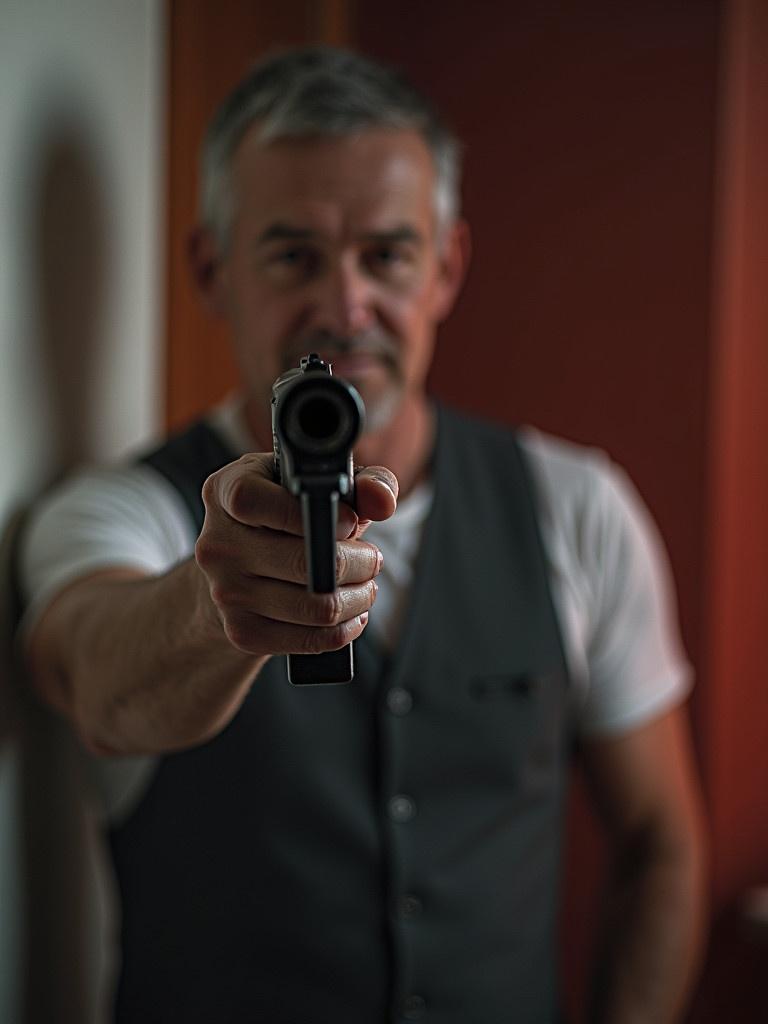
404 445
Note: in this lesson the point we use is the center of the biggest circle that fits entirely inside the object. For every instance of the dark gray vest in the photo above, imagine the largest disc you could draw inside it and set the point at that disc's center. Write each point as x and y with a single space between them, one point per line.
386 850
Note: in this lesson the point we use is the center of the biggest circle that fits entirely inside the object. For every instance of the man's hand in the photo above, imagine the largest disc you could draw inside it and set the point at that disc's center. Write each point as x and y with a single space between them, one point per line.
149 664
252 552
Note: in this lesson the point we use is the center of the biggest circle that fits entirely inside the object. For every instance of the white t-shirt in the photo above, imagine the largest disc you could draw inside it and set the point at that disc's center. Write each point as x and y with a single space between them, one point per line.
609 575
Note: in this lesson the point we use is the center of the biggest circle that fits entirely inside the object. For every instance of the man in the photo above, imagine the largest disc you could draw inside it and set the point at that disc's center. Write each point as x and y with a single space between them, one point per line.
387 850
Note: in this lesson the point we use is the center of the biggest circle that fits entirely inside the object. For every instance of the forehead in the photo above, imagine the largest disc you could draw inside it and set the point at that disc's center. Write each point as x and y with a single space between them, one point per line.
365 181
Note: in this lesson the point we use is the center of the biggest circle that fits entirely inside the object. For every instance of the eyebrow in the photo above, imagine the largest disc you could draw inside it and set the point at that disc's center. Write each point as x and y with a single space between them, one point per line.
282 232
403 233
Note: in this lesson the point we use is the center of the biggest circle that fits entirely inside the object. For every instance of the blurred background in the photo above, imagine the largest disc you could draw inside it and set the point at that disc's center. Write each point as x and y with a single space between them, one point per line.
617 188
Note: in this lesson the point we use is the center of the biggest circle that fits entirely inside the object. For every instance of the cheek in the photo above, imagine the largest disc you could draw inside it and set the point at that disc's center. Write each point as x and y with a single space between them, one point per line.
414 311
415 331
267 320
410 307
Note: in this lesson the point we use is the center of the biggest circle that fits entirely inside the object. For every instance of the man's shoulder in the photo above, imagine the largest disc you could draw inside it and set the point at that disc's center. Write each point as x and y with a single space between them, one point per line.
565 466
572 464
585 496
216 434
195 448
187 458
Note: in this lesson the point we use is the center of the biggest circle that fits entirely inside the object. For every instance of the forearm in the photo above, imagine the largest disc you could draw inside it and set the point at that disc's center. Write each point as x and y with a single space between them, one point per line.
141 665
653 934
145 664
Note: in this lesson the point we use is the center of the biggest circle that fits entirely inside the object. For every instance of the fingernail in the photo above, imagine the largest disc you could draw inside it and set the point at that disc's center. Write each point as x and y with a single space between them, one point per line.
363 619
388 484
379 562
387 481
375 590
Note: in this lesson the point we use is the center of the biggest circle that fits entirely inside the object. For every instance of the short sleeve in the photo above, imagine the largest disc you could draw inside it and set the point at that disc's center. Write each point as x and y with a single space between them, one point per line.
101 518
636 666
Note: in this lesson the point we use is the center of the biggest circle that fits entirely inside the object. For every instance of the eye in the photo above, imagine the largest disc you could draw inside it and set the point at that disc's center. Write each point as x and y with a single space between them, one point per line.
386 254
392 260
291 256
294 262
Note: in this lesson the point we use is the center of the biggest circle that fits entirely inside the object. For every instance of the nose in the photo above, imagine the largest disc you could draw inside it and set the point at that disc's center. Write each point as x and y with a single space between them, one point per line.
344 300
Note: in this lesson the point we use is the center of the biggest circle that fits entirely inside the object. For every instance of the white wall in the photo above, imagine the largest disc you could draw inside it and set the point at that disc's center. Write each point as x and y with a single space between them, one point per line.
80 284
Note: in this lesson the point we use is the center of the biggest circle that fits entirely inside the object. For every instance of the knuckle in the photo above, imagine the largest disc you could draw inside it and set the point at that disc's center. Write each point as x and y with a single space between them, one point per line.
338 636
311 642
223 596
297 562
329 638
329 608
316 609
342 561
376 559
210 553
238 497
205 552
237 633
209 491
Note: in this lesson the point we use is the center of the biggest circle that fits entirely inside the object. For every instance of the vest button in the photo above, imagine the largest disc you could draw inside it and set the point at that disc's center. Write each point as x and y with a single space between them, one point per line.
401 808
414 1007
399 701
410 906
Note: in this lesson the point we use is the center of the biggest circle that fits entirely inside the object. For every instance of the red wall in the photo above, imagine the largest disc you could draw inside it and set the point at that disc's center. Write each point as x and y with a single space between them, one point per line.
615 183
734 724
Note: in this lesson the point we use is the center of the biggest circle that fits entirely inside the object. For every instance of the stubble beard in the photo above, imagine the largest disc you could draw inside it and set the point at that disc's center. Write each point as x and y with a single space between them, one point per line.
381 400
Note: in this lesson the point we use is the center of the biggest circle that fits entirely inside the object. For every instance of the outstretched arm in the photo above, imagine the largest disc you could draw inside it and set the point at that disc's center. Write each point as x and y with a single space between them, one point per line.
147 664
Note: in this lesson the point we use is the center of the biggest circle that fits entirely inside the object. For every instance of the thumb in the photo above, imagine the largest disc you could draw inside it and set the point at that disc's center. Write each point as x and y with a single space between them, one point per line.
376 490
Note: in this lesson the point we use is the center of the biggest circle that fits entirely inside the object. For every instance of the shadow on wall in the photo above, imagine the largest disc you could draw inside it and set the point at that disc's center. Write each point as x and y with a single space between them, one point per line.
67 275
70 273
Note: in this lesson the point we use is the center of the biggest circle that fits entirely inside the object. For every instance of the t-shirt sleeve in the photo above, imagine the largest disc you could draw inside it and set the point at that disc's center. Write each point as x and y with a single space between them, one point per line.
636 665
101 518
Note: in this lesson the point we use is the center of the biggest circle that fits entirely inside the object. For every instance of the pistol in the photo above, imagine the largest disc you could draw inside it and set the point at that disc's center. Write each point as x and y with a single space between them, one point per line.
316 419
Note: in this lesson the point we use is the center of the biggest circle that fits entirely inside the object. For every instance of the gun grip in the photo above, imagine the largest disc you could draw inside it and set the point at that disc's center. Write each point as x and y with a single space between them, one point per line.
320 508
320 512
328 667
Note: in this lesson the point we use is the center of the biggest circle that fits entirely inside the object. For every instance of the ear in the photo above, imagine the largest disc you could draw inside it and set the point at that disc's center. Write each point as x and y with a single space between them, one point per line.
454 258
207 270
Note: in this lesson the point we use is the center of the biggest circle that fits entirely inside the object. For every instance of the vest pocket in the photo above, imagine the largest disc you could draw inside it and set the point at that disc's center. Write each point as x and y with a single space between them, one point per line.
518 718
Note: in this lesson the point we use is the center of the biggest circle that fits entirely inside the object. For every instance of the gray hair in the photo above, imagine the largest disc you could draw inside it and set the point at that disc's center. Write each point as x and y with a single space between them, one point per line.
321 91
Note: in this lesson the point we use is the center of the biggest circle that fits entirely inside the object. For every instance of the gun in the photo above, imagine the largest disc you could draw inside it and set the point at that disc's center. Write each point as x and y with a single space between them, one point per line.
316 418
